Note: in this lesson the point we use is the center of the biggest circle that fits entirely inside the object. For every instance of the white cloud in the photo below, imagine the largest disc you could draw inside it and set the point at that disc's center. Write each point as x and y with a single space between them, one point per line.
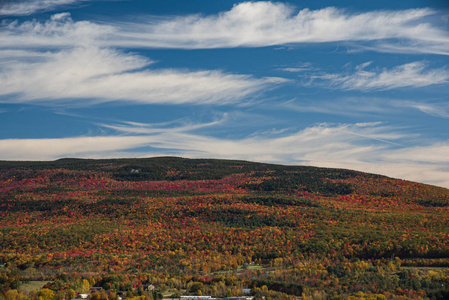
60 59
60 31
19 8
166 127
435 110
299 68
439 154
412 74
247 24
439 46
317 139
79 66
44 149
370 147
362 107
255 24
100 75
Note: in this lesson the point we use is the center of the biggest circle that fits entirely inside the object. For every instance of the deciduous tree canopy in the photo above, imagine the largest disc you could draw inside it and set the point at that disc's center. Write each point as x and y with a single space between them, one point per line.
214 227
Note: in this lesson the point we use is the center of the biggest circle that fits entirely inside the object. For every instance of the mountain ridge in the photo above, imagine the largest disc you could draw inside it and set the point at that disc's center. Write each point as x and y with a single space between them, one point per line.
218 226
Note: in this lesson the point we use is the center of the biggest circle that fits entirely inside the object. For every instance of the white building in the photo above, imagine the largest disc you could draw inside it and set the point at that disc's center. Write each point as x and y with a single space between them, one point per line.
196 298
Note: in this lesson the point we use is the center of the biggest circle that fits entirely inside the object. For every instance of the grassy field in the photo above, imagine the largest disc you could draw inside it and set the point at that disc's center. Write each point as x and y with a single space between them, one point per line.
250 267
33 285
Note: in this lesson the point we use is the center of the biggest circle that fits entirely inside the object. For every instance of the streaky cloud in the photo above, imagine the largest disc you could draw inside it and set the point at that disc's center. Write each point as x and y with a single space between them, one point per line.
411 75
435 110
58 32
367 106
95 75
371 147
21 8
247 24
258 24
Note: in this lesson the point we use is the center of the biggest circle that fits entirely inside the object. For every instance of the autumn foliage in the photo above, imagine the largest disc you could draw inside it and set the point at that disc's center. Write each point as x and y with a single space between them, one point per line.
214 227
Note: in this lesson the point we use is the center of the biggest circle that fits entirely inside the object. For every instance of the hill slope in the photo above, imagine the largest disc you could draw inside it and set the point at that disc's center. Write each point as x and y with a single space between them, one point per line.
221 225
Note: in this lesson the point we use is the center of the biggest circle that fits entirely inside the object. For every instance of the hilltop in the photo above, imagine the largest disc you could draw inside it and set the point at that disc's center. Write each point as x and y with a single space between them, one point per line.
214 227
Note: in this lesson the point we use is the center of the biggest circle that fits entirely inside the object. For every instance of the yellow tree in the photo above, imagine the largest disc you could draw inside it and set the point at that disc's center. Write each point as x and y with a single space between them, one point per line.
46 294
11 295
70 293
85 285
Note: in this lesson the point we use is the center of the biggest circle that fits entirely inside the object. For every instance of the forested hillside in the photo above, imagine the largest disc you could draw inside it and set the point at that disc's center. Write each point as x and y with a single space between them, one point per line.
215 227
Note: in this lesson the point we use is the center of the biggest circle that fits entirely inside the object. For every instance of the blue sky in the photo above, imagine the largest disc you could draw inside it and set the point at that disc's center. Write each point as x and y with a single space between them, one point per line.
361 85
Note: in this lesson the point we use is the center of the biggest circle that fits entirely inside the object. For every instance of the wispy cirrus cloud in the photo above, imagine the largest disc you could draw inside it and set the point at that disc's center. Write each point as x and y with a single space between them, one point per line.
100 75
370 147
159 128
20 7
362 107
46 149
315 141
55 59
60 60
58 32
299 68
247 24
415 74
255 24
435 110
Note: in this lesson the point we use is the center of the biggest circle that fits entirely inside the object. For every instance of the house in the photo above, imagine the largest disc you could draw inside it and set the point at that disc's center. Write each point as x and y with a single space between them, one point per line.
246 291
148 287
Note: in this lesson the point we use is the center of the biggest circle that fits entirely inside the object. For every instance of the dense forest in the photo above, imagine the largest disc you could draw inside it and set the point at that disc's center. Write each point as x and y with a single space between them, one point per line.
165 227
